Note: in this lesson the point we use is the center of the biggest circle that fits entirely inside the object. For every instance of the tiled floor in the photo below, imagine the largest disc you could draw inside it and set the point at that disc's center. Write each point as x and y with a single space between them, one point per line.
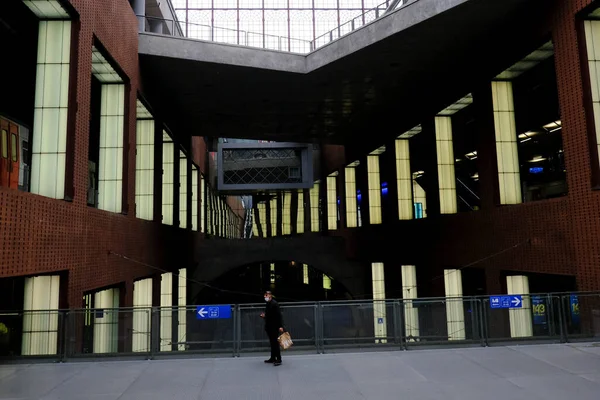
505 373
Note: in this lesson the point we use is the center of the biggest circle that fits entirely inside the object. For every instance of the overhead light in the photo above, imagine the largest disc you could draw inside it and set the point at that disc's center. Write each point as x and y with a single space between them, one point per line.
458 160
457 106
527 63
102 70
354 164
472 155
525 140
418 174
47 9
334 174
537 159
475 176
528 134
411 132
142 112
553 126
378 151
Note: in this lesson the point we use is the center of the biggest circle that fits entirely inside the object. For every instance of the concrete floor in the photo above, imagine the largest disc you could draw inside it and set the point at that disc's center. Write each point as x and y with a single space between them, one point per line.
505 373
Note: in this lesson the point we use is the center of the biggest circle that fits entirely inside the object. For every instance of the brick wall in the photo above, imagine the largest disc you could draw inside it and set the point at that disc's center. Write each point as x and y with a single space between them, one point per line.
40 235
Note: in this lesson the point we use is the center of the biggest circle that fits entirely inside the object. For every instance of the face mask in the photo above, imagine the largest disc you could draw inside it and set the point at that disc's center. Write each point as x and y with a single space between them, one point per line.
266 299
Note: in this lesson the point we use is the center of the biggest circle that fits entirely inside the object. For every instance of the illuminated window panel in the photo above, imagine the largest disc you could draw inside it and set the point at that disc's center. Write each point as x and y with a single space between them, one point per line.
142 303
166 311
405 180
332 203
182 313
262 212
40 315
351 203
194 198
409 292
326 282
287 213
420 201
520 318
183 211
144 169
168 179
273 216
110 174
509 177
374 189
300 212
379 306
305 274
51 109
272 274
255 231
445 162
202 204
314 208
455 312
106 321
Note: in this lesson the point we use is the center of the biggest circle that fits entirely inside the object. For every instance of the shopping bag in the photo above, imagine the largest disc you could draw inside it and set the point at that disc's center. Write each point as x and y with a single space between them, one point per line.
285 340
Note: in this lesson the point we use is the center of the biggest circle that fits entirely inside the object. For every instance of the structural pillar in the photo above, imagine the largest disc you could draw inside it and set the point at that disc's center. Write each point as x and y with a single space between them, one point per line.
379 305
521 324
445 165
455 312
507 153
139 8
409 292
404 180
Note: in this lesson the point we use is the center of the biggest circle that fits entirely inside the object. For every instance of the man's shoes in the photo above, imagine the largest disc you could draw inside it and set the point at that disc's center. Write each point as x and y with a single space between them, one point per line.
277 363
269 361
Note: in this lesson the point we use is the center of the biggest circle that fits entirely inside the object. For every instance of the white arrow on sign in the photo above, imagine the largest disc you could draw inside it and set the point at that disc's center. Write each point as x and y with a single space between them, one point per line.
202 313
516 301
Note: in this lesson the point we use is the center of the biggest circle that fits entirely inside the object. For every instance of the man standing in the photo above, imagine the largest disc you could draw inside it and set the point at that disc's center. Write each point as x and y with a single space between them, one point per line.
273 327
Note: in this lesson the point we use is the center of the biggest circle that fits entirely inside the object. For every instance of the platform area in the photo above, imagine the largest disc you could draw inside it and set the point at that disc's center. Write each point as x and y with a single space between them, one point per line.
532 372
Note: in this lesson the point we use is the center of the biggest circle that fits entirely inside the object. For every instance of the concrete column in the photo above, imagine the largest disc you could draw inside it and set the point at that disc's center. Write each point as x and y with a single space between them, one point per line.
521 324
409 292
379 306
507 154
455 312
51 109
445 165
139 8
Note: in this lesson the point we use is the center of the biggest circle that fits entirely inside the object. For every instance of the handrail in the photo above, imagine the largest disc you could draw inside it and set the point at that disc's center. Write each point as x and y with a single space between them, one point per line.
468 188
274 42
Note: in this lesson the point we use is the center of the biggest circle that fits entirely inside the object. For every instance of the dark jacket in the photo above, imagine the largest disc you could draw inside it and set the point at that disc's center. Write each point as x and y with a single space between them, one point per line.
273 317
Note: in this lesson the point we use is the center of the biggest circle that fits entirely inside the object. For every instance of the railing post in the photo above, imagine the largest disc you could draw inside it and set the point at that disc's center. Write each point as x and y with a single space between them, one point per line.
397 320
484 324
237 330
154 332
63 339
319 328
562 320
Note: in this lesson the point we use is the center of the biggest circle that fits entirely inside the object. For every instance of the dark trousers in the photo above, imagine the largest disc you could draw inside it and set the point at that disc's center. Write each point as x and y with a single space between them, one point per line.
275 349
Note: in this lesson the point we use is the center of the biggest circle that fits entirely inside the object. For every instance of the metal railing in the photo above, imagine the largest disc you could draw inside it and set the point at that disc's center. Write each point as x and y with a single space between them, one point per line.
315 326
261 40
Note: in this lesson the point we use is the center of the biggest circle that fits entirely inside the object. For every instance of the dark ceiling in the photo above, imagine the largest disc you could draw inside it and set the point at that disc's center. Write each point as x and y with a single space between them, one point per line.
363 98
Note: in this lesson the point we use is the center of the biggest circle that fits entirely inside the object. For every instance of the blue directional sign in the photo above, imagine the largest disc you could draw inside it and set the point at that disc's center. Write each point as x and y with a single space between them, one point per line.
380 320
506 301
213 312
